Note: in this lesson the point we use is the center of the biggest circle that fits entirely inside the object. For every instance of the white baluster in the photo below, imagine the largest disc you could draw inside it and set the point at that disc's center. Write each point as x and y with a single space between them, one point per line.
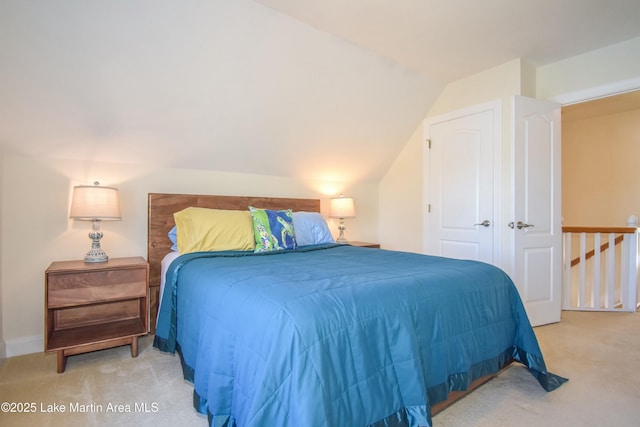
567 270
610 299
595 277
583 270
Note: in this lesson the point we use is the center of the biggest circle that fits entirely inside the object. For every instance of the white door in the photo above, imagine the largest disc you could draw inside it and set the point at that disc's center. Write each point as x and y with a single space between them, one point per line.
536 216
459 214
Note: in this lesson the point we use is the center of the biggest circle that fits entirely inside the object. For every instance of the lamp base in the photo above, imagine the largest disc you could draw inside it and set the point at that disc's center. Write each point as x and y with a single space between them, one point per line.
341 239
96 254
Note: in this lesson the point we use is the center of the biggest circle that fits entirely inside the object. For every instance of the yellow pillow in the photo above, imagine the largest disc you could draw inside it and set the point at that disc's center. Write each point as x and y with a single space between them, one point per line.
202 230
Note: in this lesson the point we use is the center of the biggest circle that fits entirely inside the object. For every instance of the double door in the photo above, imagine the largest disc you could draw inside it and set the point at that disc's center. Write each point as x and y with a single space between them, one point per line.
504 211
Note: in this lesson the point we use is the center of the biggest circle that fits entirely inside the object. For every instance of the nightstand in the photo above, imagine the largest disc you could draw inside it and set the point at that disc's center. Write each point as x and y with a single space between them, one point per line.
93 306
365 244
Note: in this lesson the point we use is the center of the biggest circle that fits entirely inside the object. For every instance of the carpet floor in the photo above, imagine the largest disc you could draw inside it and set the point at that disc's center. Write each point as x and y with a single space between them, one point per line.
598 352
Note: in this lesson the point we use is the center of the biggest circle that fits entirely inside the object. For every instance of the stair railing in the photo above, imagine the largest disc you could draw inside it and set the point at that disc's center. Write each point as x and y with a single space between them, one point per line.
603 273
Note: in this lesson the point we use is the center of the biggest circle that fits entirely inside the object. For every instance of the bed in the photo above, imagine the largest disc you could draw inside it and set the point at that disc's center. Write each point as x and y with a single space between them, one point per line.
330 335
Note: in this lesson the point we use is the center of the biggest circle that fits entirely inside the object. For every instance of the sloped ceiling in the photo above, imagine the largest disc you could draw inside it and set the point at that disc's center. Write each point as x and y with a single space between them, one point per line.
319 90
451 39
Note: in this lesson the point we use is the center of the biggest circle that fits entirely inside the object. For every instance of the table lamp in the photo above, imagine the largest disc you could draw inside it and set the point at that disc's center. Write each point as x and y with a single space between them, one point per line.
342 207
95 203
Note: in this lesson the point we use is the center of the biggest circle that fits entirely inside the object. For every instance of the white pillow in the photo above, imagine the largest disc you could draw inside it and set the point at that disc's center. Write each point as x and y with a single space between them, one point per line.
311 229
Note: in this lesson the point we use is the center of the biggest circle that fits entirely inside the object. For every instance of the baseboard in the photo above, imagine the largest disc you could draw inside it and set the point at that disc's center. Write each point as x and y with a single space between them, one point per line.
26 345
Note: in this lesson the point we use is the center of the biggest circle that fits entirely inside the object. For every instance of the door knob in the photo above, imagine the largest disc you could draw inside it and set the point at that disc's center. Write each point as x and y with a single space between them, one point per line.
519 225
485 223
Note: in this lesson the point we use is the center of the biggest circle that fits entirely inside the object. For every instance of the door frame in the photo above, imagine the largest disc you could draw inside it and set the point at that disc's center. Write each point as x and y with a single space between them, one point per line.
498 218
602 91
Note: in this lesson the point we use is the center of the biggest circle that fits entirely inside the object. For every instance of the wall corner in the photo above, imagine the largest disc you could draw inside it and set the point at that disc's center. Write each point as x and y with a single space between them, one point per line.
3 346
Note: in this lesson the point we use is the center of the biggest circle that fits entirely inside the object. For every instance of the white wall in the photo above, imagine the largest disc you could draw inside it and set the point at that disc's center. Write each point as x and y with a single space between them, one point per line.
2 343
616 63
401 201
36 229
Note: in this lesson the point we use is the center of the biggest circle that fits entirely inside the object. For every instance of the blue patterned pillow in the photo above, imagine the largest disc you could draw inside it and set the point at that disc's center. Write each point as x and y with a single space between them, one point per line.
273 230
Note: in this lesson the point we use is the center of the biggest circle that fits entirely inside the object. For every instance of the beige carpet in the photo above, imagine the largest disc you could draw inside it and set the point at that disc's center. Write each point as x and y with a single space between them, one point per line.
599 352
107 377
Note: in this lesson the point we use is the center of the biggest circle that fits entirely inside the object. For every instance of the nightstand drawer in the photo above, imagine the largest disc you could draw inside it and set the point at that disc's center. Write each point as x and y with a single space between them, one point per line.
77 316
96 286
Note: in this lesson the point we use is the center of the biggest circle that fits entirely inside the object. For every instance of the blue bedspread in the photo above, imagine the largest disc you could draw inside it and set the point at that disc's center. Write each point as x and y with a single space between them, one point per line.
339 335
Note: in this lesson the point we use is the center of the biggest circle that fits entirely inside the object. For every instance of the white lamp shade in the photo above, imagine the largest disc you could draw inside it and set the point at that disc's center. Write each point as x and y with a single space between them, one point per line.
91 202
342 207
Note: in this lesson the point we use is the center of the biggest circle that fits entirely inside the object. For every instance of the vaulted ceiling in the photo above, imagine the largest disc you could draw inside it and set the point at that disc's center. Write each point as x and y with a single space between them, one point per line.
303 88
451 39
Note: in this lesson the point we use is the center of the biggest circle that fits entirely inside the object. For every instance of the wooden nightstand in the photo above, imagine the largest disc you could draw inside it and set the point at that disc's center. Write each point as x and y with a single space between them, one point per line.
365 244
93 306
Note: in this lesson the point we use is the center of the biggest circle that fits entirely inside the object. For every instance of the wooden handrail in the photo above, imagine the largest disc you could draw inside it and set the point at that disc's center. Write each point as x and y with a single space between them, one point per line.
624 230
592 252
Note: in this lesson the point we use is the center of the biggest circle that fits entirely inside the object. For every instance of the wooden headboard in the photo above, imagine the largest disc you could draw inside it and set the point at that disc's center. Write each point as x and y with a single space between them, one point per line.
162 206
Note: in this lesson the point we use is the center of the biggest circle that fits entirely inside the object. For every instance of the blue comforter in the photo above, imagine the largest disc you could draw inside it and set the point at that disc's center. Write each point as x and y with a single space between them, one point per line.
339 335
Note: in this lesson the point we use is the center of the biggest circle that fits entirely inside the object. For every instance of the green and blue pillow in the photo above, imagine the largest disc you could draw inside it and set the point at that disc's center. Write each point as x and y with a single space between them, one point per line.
273 230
